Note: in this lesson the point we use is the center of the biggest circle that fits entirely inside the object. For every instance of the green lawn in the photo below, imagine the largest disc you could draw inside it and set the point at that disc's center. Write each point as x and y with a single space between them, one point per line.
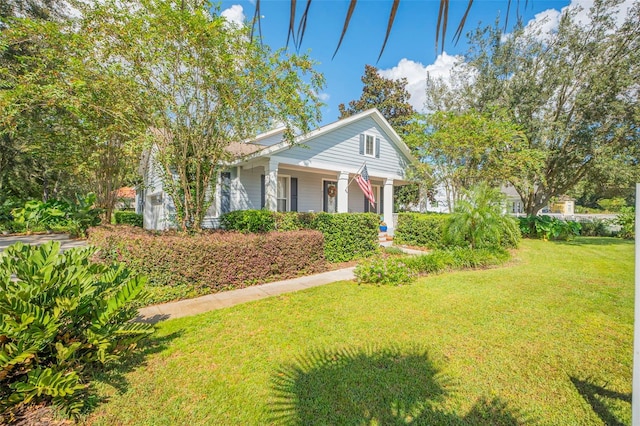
546 339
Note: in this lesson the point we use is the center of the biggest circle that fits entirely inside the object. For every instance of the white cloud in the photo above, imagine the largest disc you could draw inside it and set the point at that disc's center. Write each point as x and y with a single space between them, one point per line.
547 21
416 75
234 14
324 97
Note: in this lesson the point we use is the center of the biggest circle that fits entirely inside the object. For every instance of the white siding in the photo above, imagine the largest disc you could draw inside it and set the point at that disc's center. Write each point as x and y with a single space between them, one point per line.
340 149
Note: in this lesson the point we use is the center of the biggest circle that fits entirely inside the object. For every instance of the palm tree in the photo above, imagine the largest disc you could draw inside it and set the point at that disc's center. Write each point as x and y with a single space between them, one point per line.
479 220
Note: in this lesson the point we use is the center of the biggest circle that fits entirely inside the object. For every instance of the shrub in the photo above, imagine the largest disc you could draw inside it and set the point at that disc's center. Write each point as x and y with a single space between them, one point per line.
215 260
457 258
479 221
128 218
595 228
60 315
348 236
383 271
548 228
423 230
615 204
248 221
83 215
626 219
400 271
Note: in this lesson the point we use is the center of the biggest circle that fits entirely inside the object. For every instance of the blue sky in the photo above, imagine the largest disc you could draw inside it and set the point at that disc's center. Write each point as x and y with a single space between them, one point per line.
410 48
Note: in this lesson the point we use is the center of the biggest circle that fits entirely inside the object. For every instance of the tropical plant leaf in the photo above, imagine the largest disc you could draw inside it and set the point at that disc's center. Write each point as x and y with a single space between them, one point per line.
352 7
392 17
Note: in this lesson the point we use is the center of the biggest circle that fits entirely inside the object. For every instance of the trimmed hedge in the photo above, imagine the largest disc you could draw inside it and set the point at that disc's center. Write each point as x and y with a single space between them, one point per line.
421 229
128 218
215 260
347 236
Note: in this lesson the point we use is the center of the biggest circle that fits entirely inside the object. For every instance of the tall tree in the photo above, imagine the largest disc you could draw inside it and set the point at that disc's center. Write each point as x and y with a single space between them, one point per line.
204 84
573 92
64 113
389 96
466 149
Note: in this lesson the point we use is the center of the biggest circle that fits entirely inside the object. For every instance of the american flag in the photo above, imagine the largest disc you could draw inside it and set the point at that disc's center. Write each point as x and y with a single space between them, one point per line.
365 185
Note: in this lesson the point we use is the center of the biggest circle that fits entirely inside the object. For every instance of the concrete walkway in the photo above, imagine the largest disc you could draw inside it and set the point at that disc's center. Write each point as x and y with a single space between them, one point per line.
210 302
63 239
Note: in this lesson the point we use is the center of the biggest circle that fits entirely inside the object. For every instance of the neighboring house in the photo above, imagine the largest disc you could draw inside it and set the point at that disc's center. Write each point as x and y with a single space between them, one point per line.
314 174
126 198
563 205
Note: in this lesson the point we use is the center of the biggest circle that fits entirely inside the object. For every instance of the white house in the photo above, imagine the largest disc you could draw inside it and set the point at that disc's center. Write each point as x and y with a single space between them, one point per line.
314 174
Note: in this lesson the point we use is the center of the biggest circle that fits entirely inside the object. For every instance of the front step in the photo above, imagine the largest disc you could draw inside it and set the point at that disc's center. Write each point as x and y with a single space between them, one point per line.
385 239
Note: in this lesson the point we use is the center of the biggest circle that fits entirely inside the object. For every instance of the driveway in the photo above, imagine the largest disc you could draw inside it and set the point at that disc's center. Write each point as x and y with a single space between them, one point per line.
65 241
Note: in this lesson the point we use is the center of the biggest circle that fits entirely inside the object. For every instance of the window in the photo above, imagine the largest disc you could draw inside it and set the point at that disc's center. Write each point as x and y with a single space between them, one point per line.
369 146
283 194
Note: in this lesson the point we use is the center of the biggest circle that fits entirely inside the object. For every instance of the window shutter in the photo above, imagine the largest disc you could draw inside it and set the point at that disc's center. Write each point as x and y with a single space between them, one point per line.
381 200
366 205
294 194
262 191
362 144
225 192
377 147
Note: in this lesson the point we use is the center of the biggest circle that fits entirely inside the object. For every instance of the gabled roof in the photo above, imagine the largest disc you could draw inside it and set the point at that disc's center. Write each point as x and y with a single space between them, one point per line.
306 137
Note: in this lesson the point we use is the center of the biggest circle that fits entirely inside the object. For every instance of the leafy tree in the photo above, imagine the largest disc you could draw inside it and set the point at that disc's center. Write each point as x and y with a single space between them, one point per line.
479 220
389 96
573 92
465 149
67 125
204 84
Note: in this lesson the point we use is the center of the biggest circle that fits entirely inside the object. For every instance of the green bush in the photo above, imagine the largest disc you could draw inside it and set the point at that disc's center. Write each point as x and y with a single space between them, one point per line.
248 221
128 218
613 204
398 271
479 221
548 228
626 219
347 236
595 228
216 261
383 272
59 315
422 230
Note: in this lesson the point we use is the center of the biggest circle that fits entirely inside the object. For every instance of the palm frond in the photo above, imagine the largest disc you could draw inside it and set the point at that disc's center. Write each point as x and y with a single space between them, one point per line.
458 34
352 7
302 26
256 18
292 23
392 17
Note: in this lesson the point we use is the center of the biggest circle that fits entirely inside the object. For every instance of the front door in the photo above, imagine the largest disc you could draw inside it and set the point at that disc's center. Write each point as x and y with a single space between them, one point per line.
330 196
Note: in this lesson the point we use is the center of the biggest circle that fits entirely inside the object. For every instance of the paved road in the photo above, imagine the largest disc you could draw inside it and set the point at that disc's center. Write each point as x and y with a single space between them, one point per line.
65 241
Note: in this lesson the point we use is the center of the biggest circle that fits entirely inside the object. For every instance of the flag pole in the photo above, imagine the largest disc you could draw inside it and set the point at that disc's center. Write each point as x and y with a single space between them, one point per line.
357 173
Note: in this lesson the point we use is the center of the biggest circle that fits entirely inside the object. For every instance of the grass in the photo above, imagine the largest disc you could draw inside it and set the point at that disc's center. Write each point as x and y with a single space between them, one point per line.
544 340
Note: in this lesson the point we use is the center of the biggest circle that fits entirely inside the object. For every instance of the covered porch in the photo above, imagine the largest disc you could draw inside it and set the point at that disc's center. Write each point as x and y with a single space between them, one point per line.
278 186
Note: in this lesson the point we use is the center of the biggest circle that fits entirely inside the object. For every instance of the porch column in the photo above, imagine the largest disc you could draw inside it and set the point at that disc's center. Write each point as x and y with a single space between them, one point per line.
343 194
271 185
387 212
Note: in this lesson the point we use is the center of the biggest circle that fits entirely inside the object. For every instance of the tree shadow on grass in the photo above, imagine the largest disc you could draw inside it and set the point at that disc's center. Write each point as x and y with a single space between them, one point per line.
596 241
388 386
600 400
114 374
